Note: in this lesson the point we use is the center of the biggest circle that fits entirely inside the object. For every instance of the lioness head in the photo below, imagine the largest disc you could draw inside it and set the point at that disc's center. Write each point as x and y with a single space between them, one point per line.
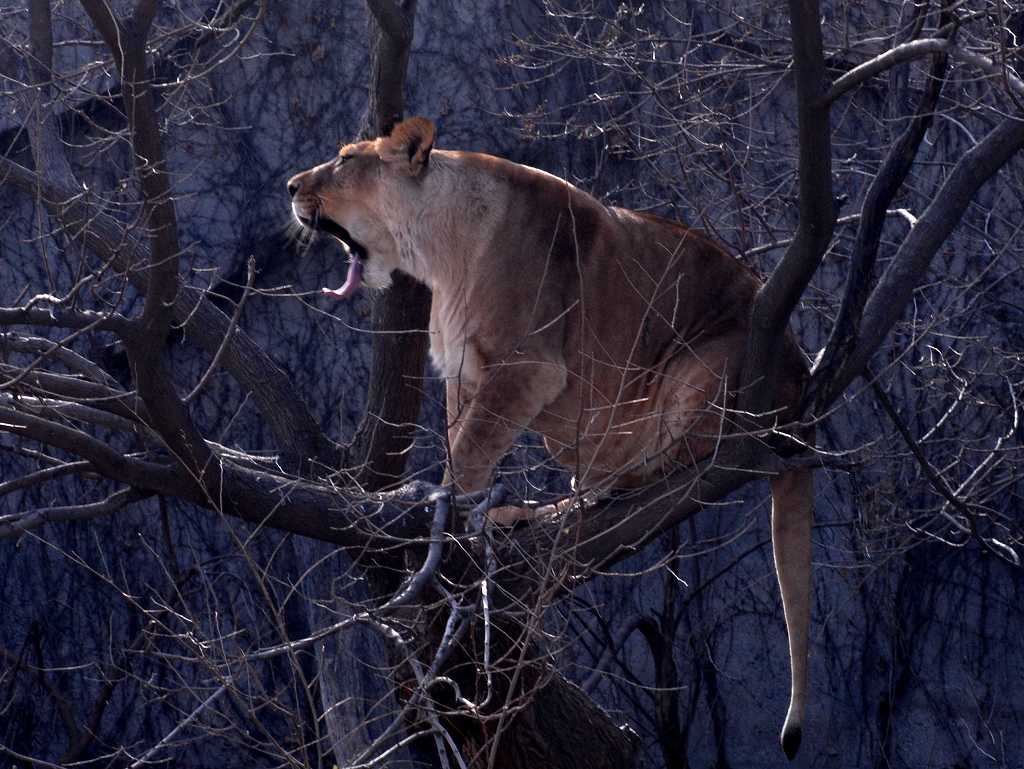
347 197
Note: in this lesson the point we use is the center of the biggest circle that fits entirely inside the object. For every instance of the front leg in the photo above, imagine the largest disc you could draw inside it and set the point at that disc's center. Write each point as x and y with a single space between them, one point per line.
504 403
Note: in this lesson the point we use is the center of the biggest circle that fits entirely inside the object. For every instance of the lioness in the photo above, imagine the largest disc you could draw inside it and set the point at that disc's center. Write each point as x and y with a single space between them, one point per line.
616 335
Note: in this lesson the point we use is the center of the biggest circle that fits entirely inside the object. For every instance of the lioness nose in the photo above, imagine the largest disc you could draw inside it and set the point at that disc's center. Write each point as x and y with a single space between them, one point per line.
293 187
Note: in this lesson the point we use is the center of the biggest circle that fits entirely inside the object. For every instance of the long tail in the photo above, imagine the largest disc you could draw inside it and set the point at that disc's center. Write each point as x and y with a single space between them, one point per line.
792 514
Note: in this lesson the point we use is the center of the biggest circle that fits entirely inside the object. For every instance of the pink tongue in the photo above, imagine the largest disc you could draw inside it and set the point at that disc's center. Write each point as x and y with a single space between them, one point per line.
352 281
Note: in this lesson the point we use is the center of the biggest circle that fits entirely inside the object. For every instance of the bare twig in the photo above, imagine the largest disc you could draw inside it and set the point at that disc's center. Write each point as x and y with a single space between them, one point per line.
21 523
183 724
232 325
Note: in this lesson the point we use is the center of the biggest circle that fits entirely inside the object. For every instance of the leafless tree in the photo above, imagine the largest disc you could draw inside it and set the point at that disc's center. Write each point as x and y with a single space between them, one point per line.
464 615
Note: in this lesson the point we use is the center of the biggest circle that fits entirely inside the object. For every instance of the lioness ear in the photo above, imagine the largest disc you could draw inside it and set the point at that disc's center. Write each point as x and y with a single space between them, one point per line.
410 143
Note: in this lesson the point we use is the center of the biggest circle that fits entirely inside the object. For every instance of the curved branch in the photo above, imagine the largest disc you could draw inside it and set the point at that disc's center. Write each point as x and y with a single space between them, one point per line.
915 49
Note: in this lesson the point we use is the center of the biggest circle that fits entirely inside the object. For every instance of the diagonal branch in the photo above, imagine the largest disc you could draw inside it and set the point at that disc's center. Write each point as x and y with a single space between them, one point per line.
110 462
20 524
908 266
880 193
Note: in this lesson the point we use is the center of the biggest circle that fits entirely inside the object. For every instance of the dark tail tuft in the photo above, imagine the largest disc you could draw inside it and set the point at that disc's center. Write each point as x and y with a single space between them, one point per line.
791 736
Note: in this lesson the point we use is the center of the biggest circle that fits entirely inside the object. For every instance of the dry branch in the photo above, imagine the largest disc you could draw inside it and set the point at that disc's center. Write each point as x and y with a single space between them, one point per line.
778 297
907 268
883 188
298 434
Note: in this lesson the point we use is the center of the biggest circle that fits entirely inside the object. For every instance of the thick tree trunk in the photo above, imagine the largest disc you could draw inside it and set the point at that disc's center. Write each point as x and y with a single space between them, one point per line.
402 313
561 728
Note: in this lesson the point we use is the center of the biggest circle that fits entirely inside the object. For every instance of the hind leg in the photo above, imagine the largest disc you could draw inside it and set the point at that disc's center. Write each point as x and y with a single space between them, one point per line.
695 396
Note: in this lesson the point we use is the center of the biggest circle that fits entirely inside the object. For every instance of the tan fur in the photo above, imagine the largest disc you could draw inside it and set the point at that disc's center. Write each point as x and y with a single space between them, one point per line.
616 335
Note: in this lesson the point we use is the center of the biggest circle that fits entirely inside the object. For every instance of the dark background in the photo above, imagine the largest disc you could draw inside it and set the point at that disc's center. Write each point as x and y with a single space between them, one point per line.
916 657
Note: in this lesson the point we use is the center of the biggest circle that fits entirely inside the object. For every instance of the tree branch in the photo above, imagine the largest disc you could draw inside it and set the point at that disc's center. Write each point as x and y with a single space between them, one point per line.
394 20
152 476
61 386
880 193
17 525
908 266
298 435
44 475
60 317
915 49
48 348
380 445
169 416
572 548
918 49
778 296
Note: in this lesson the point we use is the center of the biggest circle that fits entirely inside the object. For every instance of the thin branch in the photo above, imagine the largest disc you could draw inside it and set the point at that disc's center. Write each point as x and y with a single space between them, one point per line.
917 49
46 384
20 523
44 475
79 412
67 715
67 357
144 758
232 325
105 459
763 248
297 433
60 317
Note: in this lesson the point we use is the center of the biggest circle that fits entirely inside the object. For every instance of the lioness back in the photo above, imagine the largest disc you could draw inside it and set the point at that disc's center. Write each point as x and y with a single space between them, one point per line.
648 317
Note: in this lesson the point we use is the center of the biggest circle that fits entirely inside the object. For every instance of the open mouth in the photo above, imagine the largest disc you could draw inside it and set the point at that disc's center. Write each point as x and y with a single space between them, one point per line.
323 224
354 276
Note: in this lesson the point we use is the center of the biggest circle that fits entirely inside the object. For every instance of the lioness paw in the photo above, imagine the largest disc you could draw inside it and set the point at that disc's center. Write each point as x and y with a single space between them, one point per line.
507 515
